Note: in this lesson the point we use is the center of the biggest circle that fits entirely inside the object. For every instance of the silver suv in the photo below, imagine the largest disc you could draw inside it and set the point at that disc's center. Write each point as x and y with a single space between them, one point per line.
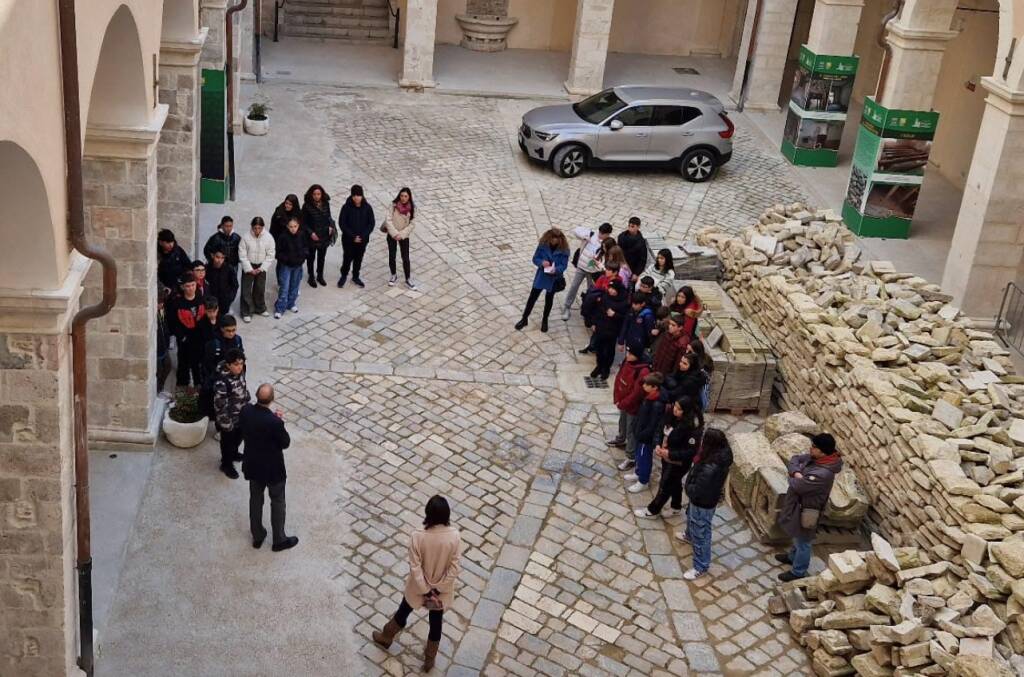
663 126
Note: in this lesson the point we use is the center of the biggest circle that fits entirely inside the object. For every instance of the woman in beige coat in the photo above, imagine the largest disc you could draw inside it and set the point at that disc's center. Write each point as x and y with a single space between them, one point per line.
399 229
434 553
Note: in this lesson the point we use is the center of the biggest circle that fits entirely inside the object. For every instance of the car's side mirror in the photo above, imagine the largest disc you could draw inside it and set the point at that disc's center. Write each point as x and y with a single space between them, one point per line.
616 125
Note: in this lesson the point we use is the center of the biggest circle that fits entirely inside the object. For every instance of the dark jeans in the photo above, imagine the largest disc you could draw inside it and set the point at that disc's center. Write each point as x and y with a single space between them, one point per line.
254 294
351 256
436 619
549 299
394 244
604 348
163 370
276 492
317 253
671 486
230 440
190 359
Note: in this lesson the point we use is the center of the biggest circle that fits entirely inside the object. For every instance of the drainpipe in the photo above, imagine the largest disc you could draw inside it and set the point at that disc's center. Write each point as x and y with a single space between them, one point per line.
750 55
229 83
897 7
77 237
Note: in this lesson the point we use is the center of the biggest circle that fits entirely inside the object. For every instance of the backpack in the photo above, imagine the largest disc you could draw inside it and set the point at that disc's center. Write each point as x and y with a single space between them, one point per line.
576 254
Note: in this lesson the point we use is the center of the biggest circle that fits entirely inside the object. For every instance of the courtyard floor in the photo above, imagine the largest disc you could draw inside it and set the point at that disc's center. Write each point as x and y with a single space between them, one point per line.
394 395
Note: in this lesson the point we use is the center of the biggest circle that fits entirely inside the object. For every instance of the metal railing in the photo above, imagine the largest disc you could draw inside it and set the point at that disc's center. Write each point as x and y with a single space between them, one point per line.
395 12
1010 321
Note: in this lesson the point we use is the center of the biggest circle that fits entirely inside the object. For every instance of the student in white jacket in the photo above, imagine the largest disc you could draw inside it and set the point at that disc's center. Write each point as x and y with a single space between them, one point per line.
255 254
588 266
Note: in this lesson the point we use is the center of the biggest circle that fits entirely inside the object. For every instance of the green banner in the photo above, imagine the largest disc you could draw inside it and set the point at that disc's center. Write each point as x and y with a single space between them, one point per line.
828 64
822 89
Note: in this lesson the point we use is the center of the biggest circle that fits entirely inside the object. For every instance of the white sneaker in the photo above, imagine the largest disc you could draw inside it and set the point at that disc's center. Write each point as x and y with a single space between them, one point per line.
693 574
265 314
626 464
295 309
392 280
247 318
216 435
630 477
644 513
565 314
411 285
636 488
277 315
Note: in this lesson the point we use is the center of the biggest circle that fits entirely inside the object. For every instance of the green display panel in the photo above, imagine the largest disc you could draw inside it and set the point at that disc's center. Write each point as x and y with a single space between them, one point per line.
888 169
212 147
822 89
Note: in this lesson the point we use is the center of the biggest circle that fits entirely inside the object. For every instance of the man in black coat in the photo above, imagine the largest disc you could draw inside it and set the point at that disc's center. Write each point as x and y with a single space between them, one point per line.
356 222
172 261
263 465
221 280
634 248
225 239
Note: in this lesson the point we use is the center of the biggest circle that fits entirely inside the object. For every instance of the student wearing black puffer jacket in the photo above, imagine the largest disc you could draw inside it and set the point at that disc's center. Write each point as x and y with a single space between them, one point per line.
683 425
705 485
291 251
320 230
356 221
172 261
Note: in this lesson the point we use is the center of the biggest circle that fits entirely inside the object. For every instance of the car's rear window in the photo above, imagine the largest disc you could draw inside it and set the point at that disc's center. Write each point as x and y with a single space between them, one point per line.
597 108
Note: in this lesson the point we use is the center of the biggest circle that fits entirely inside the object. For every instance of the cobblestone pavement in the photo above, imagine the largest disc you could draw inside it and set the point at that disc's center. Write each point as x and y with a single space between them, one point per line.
433 391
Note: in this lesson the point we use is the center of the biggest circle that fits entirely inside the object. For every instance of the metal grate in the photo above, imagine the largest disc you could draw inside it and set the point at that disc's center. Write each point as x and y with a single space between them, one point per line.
595 383
284 72
685 70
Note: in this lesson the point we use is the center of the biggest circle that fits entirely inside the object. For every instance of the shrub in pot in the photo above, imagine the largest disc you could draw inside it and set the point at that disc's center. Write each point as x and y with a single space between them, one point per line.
184 423
257 122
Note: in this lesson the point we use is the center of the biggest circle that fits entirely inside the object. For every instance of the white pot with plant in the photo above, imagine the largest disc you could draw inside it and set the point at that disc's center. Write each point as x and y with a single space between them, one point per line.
257 122
184 424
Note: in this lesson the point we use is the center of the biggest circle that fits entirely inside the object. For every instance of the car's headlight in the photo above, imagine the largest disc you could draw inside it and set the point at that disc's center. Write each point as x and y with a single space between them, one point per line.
544 136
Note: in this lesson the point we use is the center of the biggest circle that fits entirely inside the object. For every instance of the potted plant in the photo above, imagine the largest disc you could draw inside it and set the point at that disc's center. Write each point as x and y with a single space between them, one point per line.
256 120
184 422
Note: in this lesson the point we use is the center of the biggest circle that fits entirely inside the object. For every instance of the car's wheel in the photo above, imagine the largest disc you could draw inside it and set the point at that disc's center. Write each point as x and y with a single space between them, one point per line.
699 165
570 161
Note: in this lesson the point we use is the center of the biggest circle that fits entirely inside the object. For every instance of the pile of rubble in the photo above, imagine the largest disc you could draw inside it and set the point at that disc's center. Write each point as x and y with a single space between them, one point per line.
893 611
758 480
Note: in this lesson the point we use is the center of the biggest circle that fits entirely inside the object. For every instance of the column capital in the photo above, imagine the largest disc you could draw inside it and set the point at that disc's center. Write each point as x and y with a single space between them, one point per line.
123 142
44 311
213 4
923 39
1002 97
183 52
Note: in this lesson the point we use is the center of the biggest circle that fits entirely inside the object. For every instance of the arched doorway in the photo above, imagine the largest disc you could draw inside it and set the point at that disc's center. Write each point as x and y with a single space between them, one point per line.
119 88
28 259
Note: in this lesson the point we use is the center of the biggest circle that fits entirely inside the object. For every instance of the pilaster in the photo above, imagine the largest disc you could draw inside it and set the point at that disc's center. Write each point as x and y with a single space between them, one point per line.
211 16
987 250
589 46
834 26
763 76
914 68
418 50
120 176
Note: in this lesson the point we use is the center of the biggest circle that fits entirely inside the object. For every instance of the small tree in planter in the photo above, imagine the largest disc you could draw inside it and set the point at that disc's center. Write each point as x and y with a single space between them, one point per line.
185 424
257 122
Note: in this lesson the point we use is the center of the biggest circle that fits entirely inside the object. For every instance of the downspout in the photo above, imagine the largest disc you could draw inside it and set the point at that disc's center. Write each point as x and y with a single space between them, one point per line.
883 75
229 82
77 237
750 55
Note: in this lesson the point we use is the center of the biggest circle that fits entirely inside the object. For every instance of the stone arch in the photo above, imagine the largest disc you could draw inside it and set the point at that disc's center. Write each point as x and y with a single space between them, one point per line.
119 88
28 257
180 20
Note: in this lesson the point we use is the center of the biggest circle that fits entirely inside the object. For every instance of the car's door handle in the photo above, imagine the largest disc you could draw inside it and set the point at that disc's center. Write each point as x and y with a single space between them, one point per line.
687 133
641 133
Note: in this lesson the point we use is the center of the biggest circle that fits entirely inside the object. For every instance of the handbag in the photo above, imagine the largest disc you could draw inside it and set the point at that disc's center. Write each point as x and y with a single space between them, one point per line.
576 257
433 602
559 284
384 227
809 518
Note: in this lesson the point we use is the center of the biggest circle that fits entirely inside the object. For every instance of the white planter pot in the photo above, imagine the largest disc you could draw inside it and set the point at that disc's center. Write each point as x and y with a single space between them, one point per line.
256 127
185 435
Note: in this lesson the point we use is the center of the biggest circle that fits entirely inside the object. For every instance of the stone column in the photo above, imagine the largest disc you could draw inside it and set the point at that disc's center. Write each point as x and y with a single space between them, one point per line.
120 176
178 150
589 46
988 245
38 595
771 49
418 50
211 15
914 68
834 26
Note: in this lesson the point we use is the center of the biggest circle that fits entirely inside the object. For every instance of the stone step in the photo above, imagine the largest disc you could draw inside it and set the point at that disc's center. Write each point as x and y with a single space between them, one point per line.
295 9
355 35
331 21
339 3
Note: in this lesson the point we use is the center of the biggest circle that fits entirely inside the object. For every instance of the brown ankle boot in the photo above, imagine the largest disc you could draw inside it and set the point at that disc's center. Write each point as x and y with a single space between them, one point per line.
429 654
387 635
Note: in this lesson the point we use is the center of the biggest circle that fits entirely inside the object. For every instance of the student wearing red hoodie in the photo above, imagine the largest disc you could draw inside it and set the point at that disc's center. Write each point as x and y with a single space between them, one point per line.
628 395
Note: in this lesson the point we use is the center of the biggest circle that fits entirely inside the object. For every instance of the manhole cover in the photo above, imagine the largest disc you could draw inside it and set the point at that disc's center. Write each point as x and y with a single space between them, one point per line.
595 382
686 71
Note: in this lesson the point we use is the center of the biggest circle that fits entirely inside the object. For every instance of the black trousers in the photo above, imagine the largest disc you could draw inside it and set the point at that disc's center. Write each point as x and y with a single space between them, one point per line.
276 492
549 299
604 347
351 256
316 253
230 440
670 487
436 620
190 362
394 244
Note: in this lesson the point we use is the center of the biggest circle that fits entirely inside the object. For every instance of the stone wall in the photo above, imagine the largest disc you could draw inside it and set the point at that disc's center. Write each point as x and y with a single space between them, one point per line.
487 7
178 153
36 508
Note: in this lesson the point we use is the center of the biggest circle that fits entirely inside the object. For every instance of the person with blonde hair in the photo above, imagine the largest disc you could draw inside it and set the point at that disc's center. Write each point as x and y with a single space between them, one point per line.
551 258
